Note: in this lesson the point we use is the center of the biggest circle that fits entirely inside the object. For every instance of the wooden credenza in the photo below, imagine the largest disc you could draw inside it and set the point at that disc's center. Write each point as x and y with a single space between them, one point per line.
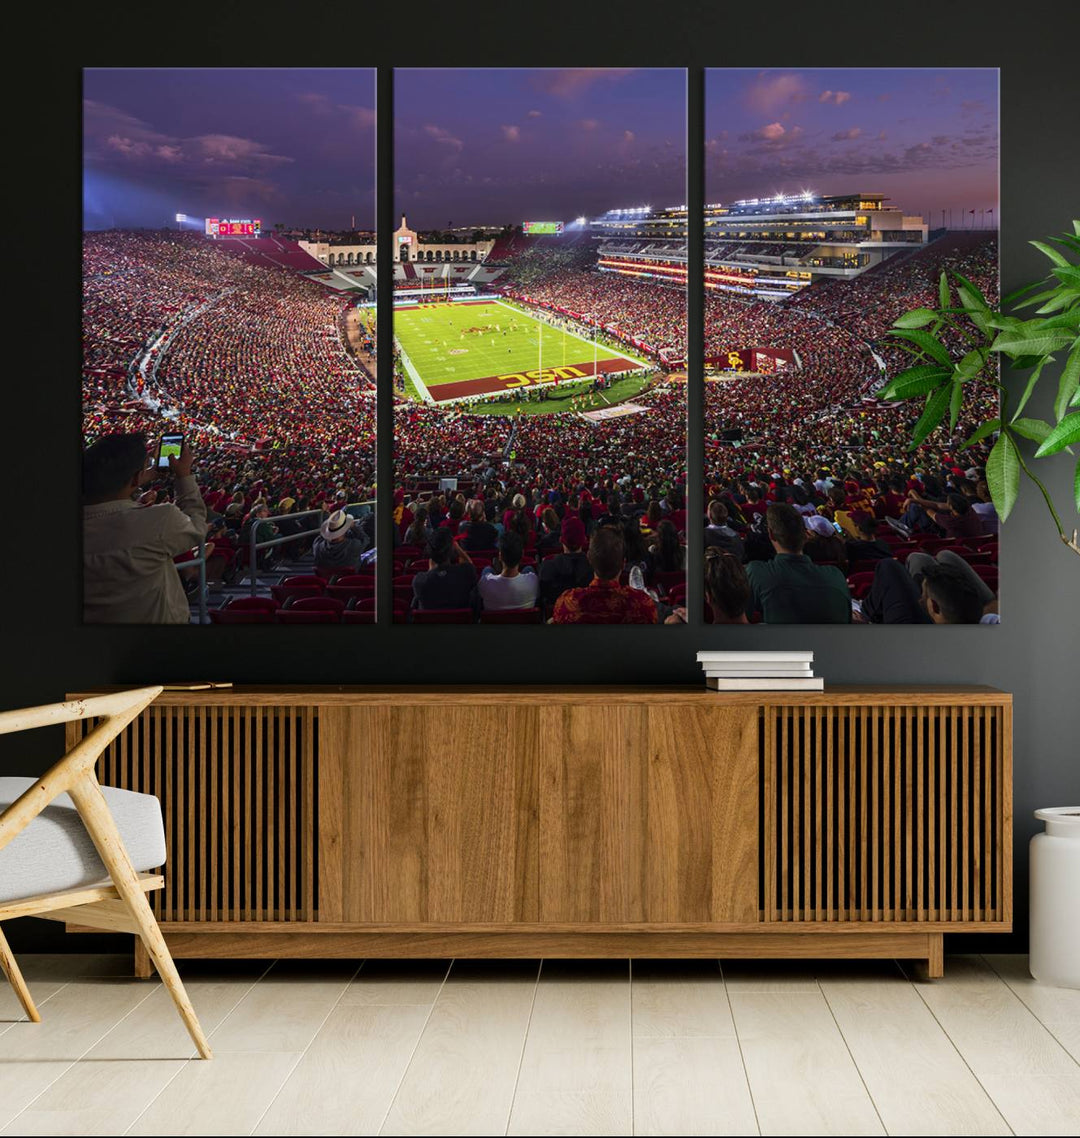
587 821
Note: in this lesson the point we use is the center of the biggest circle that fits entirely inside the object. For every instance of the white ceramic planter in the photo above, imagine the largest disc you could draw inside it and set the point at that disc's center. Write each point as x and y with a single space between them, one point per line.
1055 898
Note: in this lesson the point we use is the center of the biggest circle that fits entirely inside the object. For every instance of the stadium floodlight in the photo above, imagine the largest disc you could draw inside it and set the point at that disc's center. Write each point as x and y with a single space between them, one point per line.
580 221
180 216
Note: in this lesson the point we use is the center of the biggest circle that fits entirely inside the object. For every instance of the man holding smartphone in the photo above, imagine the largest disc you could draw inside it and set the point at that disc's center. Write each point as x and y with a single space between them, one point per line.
128 572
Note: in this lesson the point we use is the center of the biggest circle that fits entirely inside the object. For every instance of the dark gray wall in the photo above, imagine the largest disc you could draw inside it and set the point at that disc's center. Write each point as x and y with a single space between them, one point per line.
1034 654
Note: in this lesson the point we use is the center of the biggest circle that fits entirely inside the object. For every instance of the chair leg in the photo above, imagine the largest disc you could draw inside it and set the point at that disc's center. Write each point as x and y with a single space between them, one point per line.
15 979
106 838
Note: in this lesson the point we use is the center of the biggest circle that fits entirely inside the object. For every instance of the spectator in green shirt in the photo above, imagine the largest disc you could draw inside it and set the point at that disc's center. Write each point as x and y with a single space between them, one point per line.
791 589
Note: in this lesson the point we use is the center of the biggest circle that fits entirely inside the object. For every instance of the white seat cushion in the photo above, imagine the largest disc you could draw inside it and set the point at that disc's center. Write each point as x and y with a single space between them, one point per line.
55 852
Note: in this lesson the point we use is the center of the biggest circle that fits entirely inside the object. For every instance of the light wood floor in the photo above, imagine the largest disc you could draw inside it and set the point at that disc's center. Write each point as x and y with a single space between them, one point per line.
426 1047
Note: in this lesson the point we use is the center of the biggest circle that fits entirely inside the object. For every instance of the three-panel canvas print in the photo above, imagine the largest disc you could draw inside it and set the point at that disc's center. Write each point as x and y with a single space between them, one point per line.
541 347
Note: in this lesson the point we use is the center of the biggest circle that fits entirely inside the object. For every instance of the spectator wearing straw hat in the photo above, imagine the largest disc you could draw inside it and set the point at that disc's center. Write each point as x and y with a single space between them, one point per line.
340 543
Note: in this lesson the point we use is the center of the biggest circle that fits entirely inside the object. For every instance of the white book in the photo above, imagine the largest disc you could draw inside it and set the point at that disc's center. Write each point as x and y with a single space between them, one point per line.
775 673
814 683
755 657
760 669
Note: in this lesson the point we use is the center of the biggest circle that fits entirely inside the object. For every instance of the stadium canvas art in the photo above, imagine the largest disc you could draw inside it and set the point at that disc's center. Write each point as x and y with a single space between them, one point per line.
539 346
228 346
839 200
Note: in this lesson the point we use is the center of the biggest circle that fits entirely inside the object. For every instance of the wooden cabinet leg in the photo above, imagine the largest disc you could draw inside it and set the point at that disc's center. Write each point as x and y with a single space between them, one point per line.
143 969
935 964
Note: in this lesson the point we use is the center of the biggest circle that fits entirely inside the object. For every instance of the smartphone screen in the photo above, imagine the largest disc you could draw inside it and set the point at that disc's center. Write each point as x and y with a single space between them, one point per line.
171 445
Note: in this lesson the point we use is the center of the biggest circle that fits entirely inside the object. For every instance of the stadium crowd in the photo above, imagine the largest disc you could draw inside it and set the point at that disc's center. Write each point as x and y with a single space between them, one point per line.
253 372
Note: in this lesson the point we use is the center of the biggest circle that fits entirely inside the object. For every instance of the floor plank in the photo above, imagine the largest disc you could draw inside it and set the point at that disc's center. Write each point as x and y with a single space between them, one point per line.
397 982
96 1097
994 1031
916 1078
34 1055
692 1084
461 1079
227 1095
154 1030
348 1076
1058 1009
1038 1104
801 1076
576 1071
285 1009
679 998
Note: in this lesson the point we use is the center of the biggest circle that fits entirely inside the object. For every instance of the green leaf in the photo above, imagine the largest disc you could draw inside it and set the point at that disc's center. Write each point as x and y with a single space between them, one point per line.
1030 342
987 428
1015 295
970 365
1050 251
914 381
934 412
916 318
1068 384
1068 274
1076 228
1032 380
1064 434
974 289
955 401
943 289
1003 474
933 348
1034 429
1038 298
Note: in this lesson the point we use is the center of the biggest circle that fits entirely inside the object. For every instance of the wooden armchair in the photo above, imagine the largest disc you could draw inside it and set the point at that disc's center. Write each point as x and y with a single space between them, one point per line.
55 873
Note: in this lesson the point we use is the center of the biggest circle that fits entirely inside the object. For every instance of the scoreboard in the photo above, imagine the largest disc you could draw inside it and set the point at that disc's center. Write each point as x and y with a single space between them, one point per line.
233 227
535 228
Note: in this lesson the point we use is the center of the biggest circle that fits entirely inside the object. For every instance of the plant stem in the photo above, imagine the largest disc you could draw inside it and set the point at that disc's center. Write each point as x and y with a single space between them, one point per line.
1072 544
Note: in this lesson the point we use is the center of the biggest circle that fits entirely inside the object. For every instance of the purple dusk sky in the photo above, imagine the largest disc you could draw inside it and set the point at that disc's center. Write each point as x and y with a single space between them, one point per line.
295 146
926 138
491 146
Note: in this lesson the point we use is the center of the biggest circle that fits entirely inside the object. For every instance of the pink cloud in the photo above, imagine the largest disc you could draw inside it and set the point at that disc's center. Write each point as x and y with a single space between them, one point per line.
511 133
768 92
569 82
837 98
848 135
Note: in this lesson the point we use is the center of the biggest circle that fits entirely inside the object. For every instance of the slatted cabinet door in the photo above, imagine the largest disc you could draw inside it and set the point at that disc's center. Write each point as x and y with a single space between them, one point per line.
886 813
238 791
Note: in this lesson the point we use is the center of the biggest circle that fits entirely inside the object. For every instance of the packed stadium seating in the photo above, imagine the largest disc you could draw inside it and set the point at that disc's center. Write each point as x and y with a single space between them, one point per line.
244 355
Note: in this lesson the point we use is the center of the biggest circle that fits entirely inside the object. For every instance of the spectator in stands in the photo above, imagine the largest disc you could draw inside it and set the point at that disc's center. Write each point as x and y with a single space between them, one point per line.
954 516
450 580
479 532
505 585
950 596
720 535
790 588
604 600
666 554
867 546
340 544
727 588
569 569
550 540
419 531
823 543
984 507
128 550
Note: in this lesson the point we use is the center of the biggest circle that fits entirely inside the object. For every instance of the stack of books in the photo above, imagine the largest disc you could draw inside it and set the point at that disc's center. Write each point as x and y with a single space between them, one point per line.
760 671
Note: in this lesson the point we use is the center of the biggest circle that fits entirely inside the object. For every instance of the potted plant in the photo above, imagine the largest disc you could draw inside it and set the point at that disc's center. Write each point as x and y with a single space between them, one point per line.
957 346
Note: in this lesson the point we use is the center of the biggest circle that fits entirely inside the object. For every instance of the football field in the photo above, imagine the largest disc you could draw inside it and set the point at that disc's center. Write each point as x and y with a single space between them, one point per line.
451 351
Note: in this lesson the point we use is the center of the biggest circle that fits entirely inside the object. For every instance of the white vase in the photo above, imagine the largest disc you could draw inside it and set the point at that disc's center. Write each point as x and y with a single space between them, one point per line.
1055 899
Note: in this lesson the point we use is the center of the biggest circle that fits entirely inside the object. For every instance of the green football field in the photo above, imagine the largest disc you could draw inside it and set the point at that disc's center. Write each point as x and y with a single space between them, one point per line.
450 351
